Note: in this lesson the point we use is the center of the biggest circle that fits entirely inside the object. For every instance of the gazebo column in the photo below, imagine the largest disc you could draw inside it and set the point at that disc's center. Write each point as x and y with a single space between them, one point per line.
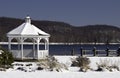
38 40
21 40
9 43
48 45
34 49
45 45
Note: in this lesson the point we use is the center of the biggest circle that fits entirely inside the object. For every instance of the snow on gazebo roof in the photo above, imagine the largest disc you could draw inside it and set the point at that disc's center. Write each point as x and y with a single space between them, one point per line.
27 29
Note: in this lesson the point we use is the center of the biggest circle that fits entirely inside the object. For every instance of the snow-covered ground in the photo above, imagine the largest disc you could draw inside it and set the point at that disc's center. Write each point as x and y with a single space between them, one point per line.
18 74
72 72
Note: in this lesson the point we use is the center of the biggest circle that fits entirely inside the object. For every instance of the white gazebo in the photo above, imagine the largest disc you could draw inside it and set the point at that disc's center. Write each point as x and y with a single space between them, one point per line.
28 31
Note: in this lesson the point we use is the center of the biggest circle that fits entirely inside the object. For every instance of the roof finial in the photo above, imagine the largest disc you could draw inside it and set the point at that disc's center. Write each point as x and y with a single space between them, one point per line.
28 19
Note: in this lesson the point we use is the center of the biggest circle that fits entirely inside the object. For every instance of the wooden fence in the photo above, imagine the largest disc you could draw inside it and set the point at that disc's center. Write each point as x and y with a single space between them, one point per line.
97 52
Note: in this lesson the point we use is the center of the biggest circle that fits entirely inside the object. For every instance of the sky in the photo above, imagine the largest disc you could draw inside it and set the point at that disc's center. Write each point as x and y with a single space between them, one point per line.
74 12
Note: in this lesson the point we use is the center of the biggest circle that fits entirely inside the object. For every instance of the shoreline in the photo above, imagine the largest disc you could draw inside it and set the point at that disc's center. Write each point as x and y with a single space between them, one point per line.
5 43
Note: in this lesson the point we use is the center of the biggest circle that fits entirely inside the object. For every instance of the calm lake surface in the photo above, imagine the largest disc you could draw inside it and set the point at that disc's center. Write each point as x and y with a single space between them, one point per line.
62 49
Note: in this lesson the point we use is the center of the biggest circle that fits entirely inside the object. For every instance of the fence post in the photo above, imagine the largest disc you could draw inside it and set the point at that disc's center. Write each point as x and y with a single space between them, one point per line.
73 52
118 52
94 51
81 51
107 51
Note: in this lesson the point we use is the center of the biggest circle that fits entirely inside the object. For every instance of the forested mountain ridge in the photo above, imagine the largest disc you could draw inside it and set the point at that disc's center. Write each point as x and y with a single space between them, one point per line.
64 32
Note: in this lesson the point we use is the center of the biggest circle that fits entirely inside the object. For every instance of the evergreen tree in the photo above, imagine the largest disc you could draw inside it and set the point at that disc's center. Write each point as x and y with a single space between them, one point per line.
6 58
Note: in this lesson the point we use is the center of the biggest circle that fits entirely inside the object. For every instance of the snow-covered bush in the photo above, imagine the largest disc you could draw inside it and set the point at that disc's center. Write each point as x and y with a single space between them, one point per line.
115 65
51 64
108 65
82 62
103 64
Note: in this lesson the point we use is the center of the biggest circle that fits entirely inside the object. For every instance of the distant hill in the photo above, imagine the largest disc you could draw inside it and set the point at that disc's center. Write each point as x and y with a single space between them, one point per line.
64 32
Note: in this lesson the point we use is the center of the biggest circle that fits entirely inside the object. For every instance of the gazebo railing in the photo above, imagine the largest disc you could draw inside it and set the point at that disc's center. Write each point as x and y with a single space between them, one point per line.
16 53
28 53
42 54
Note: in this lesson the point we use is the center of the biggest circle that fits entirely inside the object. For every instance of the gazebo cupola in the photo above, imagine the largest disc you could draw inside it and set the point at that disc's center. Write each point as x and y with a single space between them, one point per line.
28 20
28 31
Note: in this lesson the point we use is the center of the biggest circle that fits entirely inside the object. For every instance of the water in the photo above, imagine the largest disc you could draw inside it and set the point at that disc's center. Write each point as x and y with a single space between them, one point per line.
66 49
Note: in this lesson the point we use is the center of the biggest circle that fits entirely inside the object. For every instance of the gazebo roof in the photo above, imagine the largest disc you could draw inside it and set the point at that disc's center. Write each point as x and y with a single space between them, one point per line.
27 29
